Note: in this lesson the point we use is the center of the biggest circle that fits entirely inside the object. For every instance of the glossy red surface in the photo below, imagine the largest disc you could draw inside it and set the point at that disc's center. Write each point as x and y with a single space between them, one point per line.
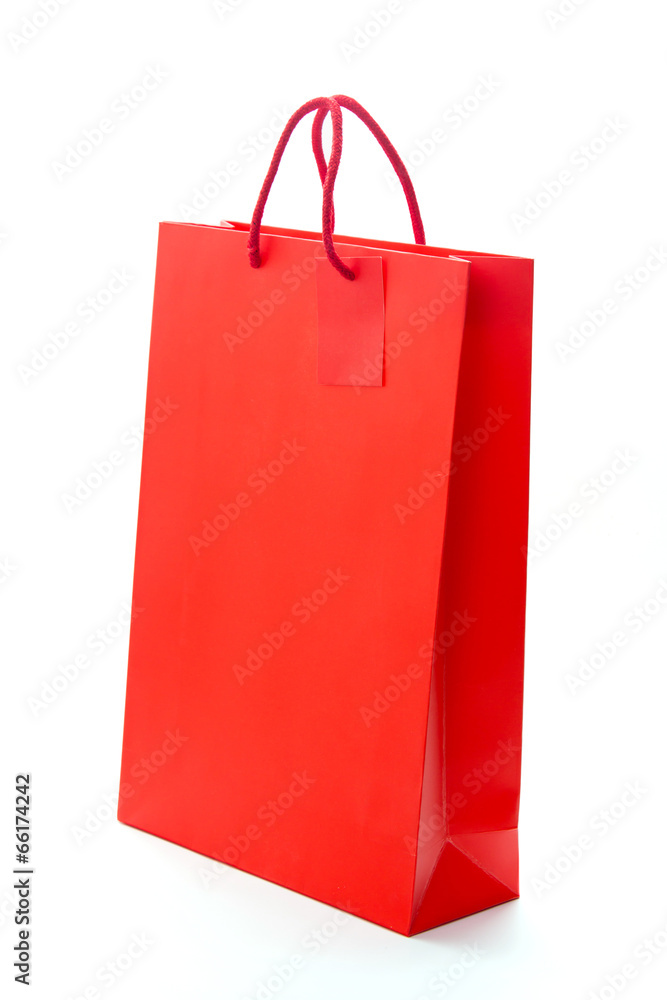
300 549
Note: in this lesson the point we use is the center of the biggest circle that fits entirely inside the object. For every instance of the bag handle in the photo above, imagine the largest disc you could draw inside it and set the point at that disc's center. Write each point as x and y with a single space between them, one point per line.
388 147
333 107
328 172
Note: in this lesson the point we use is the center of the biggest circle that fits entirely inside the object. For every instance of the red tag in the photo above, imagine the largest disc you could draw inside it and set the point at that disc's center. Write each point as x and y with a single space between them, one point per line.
350 316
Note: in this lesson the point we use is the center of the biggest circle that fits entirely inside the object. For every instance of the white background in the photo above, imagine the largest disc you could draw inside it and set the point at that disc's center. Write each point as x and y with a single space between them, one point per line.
215 932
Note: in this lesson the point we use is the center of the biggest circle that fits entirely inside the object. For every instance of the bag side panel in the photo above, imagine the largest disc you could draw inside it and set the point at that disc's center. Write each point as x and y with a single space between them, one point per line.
479 635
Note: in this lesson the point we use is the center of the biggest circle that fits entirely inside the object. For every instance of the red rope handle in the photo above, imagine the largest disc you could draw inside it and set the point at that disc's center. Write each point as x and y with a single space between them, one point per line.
332 107
390 150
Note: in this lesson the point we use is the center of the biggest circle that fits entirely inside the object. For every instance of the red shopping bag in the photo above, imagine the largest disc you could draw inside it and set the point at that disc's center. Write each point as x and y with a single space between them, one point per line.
325 678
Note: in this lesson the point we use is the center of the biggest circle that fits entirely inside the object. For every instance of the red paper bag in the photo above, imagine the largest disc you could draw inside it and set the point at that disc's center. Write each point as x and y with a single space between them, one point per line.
325 678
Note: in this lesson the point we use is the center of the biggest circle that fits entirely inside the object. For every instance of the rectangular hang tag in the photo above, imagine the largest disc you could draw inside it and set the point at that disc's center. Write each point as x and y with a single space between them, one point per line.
350 322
